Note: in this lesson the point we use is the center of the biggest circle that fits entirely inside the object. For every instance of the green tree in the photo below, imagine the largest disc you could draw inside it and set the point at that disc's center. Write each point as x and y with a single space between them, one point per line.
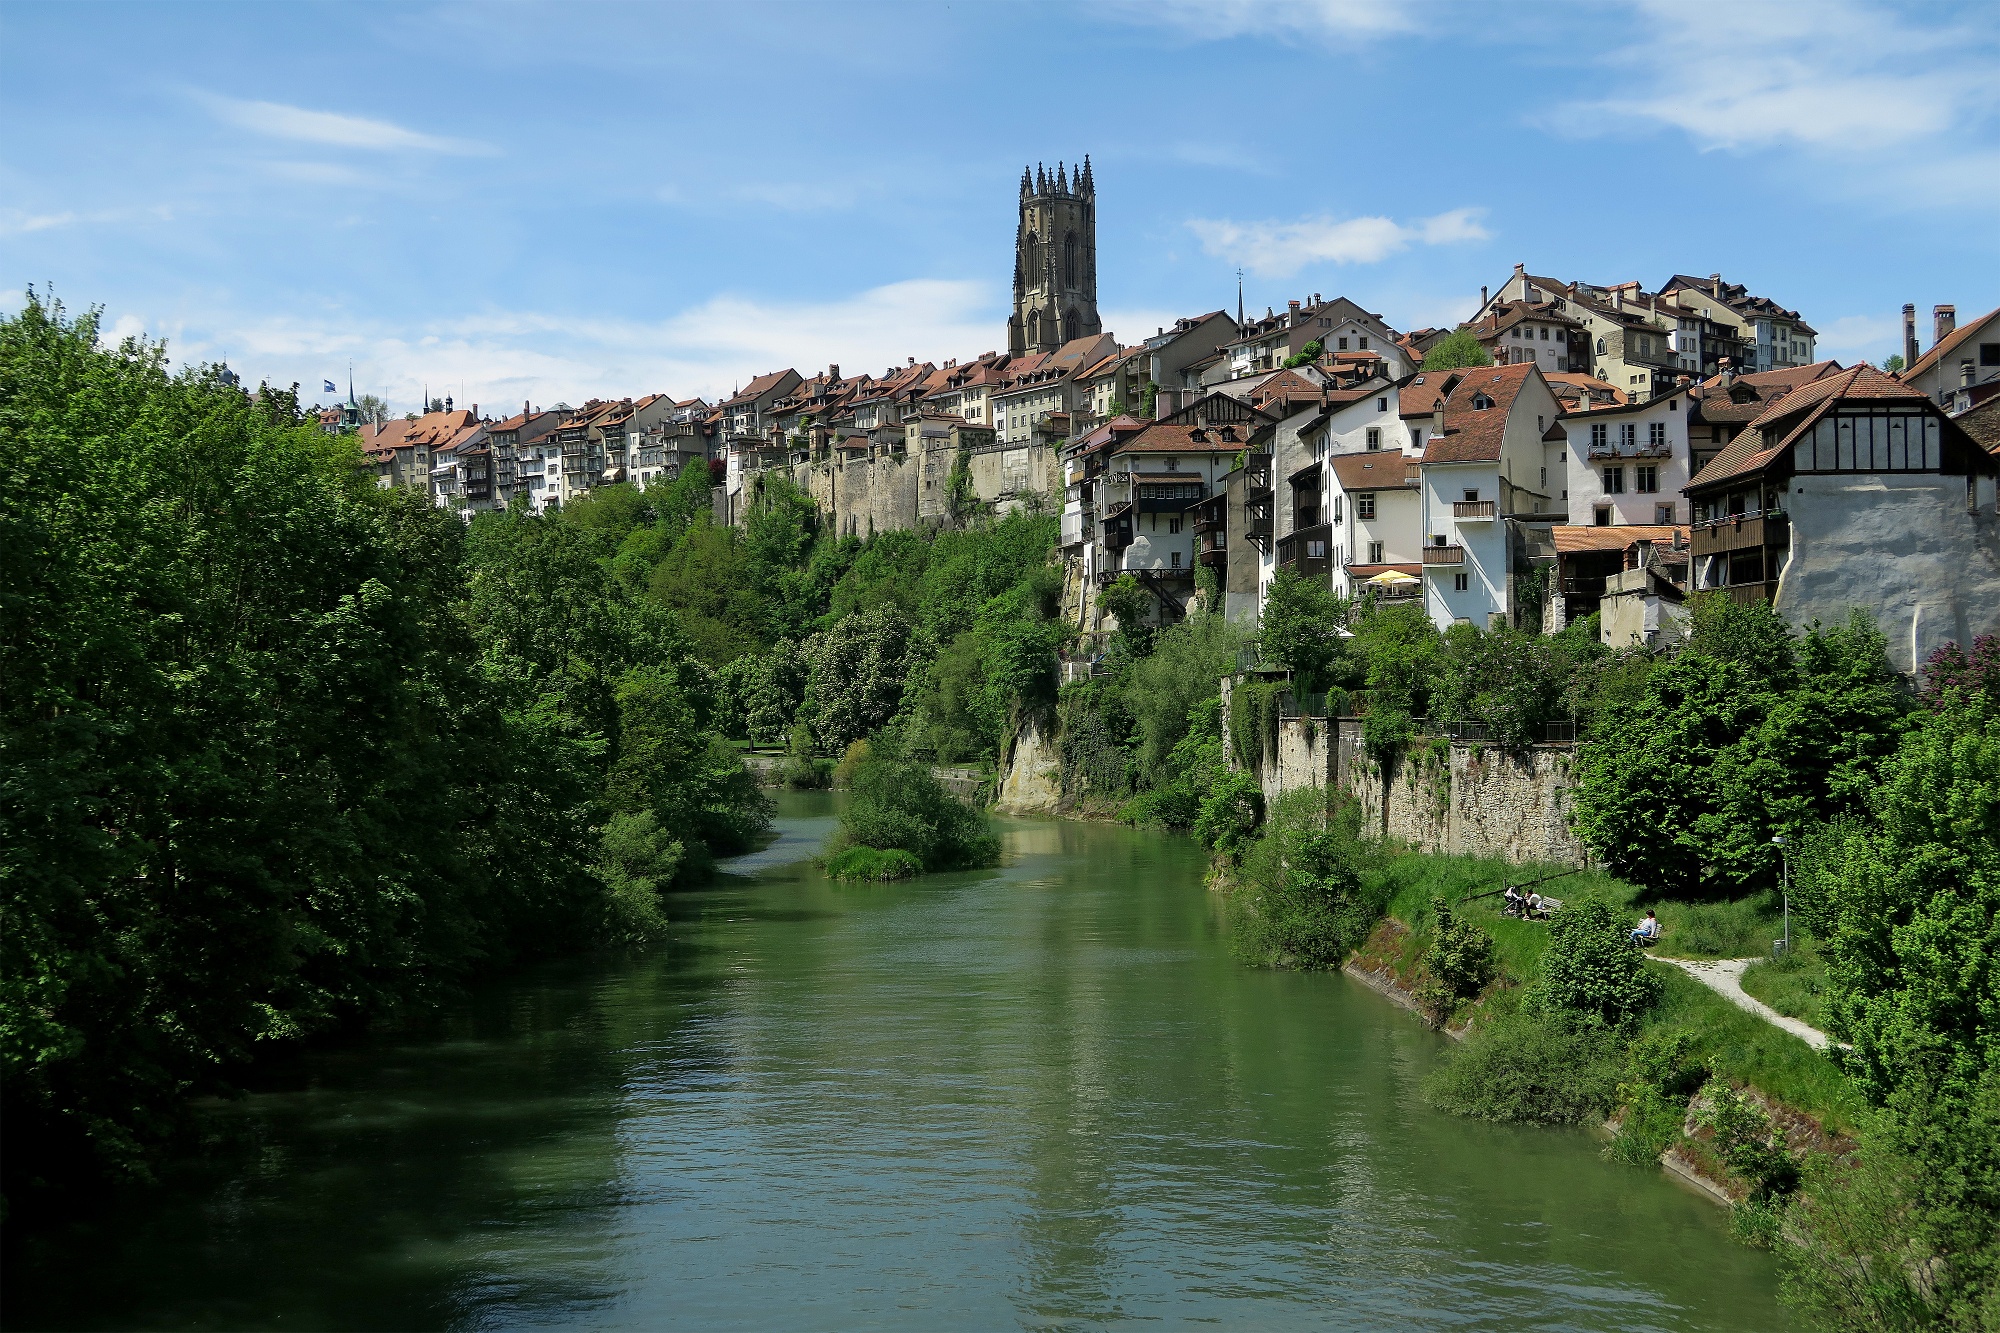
855 675
1456 351
1457 965
1301 629
898 804
1592 970
1301 901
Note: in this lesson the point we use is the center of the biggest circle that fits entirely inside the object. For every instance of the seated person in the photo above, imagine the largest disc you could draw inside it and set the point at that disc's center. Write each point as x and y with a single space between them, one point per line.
1536 903
1648 931
1513 903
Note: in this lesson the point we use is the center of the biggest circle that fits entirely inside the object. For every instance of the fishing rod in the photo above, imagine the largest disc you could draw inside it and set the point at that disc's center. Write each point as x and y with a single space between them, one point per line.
1529 885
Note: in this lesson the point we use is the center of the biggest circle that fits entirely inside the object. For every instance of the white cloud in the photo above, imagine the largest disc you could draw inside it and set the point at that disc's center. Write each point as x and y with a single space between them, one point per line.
1877 96
498 358
1280 249
1860 337
278 121
1338 21
17 222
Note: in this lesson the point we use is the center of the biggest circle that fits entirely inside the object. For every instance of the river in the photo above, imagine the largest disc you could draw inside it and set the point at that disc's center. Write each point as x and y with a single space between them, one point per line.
1044 1097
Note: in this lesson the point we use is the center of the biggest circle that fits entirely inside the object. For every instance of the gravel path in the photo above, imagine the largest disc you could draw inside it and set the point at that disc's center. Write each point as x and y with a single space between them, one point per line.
1725 978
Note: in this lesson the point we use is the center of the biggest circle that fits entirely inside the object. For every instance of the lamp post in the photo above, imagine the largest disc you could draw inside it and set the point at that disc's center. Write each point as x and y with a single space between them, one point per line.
1785 887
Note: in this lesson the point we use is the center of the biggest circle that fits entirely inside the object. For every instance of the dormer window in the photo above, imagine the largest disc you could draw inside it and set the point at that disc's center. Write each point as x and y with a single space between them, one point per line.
1480 402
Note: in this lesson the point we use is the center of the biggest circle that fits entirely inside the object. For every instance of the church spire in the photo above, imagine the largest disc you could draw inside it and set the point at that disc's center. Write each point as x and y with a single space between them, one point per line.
1086 186
1041 179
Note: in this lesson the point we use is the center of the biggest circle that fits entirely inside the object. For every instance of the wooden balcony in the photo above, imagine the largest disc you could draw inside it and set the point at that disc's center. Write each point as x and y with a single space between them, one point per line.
1475 511
1740 531
1444 555
1752 594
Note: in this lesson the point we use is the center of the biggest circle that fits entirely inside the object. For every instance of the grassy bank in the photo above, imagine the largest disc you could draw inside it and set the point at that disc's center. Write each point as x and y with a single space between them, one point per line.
1734 1044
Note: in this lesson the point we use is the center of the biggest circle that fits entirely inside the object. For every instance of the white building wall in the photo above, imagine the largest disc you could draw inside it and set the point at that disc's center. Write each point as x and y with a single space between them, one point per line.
1585 475
1484 542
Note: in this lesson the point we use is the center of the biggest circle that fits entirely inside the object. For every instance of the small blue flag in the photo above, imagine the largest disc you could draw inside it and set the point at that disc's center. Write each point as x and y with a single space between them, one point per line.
330 388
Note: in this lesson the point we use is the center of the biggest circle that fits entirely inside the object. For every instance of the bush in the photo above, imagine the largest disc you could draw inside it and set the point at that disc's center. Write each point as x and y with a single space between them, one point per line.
1228 816
1521 1069
1747 1142
873 863
1457 966
1301 902
1592 969
900 805
639 859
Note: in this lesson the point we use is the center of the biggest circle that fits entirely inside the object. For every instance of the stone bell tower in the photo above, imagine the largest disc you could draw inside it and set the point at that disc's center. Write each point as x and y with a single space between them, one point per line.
1055 261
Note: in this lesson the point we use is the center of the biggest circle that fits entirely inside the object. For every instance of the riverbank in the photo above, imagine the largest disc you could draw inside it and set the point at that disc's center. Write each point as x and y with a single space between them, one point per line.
1794 1083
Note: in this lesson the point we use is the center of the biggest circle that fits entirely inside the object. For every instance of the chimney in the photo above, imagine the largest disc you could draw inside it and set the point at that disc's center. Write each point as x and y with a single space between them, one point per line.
1482 298
1944 318
1726 371
1293 308
833 372
1909 334
1437 420
1966 374
1715 285
527 408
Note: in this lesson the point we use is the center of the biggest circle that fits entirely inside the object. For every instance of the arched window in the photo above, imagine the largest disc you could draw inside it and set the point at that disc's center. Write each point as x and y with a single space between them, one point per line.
1600 347
1072 330
1069 259
1034 327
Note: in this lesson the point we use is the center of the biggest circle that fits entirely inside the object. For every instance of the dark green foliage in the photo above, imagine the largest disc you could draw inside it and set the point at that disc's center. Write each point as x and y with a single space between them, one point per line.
1512 681
1592 969
1518 1068
1301 624
1253 720
1740 736
1856 1255
282 754
1457 965
855 674
899 804
1457 350
1130 605
1661 1072
1300 901
869 863
1399 648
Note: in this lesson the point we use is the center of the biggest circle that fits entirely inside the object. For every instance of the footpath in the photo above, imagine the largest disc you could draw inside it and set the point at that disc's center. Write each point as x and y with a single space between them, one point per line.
1725 978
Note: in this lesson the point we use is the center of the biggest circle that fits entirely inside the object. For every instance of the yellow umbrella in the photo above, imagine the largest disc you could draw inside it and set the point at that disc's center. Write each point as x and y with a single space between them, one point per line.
1392 576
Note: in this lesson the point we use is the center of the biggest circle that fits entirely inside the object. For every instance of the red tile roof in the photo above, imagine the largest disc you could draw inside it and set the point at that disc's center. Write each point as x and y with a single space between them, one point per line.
1571 539
1791 413
1378 470
1473 434
1951 343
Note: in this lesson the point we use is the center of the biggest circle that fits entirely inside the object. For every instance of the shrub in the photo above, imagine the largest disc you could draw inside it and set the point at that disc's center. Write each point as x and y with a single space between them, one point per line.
638 859
1457 966
873 863
1592 969
1746 1140
898 804
1302 902
1228 816
1661 1072
1518 1068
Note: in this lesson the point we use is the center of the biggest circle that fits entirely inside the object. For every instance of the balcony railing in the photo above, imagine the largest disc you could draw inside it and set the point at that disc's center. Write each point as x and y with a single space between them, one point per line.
1741 531
1444 555
1475 510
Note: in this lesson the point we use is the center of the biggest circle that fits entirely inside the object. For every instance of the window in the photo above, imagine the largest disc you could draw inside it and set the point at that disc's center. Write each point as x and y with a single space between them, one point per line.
1336 507
1460 582
1663 515
1516 333
1417 437
1374 437
1173 526
1603 516
1361 344
1656 434
1316 550
1471 495
1177 559
1989 354
1545 335
1628 435
1600 347
1480 402
1600 435
1374 553
1381 404
1364 505
1614 481
1646 479
1173 465
1343 344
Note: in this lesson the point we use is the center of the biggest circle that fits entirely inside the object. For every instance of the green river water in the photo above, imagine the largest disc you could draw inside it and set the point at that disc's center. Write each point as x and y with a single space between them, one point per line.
1044 1096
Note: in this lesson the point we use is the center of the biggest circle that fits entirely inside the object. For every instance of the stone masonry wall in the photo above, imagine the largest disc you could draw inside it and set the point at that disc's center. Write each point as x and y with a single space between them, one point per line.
1453 798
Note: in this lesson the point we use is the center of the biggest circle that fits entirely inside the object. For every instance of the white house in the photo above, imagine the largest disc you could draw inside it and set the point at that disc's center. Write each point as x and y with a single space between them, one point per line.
1483 473
1377 516
1626 465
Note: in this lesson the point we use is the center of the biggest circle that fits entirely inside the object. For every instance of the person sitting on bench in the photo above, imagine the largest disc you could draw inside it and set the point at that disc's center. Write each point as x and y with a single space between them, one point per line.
1648 932
1536 904
1513 903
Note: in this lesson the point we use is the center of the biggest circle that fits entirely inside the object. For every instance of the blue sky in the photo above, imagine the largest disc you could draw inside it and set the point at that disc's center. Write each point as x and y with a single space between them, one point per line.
510 202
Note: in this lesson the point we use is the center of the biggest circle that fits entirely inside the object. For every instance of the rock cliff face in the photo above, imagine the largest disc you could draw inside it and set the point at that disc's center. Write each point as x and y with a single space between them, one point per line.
1030 776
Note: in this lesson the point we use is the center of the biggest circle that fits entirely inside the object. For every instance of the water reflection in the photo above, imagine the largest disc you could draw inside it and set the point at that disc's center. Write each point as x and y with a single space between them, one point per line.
1043 1097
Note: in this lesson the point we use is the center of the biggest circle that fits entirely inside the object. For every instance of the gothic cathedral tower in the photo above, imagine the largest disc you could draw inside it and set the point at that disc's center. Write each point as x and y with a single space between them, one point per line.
1055 261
